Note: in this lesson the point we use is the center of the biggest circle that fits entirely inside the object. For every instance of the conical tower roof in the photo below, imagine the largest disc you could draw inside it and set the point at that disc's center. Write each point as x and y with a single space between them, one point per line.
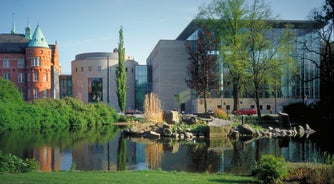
38 39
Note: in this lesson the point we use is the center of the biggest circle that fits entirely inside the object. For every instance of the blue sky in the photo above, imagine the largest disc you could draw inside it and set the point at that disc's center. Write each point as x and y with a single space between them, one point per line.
81 26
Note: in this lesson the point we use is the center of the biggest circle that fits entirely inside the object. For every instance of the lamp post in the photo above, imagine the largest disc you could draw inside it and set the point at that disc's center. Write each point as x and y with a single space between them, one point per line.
108 80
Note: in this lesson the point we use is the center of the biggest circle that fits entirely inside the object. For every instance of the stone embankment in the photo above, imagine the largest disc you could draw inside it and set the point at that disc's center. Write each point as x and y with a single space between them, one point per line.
159 130
216 128
270 132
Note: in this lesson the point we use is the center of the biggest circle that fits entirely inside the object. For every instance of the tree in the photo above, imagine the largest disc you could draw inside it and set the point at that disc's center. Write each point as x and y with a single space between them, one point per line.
202 59
268 54
230 14
120 74
325 18
9 92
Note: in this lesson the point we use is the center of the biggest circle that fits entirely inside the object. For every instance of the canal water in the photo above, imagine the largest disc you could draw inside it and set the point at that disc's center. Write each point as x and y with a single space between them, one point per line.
110 150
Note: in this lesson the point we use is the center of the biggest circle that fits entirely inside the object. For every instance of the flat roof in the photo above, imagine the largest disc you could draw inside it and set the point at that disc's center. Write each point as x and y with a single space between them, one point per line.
297 24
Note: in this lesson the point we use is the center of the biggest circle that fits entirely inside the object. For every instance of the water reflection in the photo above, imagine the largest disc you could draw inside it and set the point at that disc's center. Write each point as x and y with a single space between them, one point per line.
111 150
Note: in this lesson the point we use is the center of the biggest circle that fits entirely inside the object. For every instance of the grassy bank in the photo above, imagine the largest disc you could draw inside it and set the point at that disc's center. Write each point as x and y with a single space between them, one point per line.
133 177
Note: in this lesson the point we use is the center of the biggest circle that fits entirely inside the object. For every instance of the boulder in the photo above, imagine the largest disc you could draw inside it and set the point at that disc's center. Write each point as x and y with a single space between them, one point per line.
246 129
171 117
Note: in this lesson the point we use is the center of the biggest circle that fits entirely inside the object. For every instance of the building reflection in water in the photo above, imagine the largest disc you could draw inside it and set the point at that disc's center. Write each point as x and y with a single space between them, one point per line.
237 157
49 158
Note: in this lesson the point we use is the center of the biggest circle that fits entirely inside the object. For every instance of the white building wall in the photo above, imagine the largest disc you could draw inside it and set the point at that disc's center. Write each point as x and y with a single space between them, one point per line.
94 65
169 59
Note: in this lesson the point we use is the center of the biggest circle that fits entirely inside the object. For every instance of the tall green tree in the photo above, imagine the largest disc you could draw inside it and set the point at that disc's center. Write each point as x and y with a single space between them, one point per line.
268 54
229 27
120 73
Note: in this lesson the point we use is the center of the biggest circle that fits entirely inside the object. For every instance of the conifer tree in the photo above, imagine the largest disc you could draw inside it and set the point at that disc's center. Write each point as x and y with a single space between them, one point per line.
120 74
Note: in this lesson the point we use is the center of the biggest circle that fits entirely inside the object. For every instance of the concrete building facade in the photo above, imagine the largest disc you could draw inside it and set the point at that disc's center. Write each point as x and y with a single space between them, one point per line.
94 78
169 59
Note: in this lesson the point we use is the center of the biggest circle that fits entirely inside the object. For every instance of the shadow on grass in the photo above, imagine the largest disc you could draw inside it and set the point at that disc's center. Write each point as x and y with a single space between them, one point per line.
232 181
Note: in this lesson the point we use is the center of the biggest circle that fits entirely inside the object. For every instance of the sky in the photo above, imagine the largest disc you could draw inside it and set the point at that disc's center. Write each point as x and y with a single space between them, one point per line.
81 26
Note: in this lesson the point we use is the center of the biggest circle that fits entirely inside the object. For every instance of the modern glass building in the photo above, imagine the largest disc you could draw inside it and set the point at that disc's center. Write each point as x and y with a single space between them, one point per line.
143 84
292 85
65 86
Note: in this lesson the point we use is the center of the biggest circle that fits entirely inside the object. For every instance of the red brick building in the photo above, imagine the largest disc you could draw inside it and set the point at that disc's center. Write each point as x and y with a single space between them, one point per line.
31 63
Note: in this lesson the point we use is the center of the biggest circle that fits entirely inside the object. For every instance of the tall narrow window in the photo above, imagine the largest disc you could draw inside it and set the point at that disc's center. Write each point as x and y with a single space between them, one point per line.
45 79
6 63
45 93
35 61
20 63
21 77
35 76
28 76
29 93
36 93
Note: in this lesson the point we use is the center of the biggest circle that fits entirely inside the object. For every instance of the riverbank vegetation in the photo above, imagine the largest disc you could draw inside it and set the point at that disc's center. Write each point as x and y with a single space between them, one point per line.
59 114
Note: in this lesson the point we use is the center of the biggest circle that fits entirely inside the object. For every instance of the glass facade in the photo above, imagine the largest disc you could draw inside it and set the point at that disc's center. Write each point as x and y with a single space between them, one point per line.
143 84
65 86
303 84
95 90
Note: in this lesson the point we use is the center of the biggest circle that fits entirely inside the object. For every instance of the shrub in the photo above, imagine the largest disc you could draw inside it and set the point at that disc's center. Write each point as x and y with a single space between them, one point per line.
270 169
310 173
13 164
220 113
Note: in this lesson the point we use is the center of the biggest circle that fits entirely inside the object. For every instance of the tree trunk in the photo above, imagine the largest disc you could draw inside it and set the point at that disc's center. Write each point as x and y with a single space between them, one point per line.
257 101
236 104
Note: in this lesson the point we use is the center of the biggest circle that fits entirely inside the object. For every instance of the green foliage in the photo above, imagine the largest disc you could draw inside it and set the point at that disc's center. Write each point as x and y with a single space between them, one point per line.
121 74
63 114
9 92
13 164
270 169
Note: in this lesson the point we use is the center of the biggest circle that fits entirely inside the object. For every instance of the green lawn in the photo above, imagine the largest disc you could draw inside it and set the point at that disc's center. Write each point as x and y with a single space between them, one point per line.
132 177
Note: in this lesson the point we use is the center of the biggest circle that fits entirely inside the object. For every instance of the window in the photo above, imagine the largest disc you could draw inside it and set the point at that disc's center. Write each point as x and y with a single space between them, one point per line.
99 68
45 93
95 90
6 63
35 76
20 63
76 69
21 77
36 91
29 93
82 69
35 61
89 68
44 77
28 76
6 76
